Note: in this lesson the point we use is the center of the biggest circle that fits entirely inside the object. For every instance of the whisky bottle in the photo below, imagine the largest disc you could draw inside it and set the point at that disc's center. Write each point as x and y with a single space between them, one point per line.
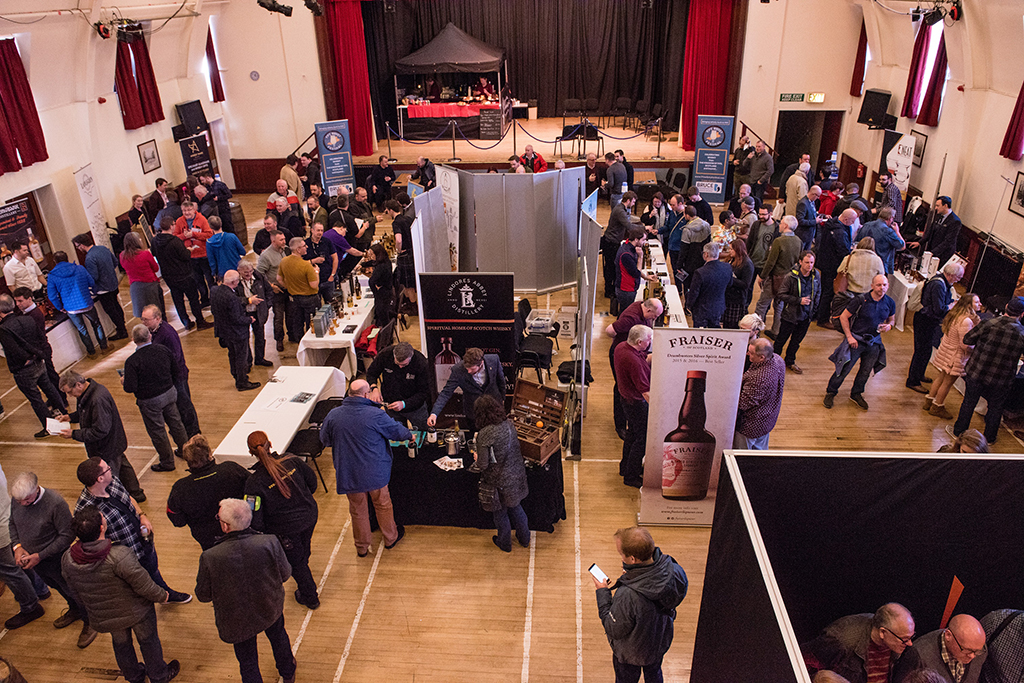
33 247
444 362
689 450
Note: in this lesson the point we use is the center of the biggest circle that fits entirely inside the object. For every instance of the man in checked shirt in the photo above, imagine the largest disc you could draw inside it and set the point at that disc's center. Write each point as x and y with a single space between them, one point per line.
998 345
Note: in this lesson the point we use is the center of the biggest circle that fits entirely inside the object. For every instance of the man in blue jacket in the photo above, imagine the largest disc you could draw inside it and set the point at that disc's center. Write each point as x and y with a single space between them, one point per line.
69 288
102 266
223 249
358 432
706 296
638 619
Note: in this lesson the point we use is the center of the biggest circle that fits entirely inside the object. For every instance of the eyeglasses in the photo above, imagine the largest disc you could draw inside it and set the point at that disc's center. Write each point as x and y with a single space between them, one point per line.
102 472
963 649
908 641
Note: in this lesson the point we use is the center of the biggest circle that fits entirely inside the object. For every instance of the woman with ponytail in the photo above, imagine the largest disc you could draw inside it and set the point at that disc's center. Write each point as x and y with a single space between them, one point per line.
280 493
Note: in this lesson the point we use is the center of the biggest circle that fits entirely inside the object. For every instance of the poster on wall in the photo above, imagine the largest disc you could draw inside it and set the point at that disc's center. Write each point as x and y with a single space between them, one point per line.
897 160
196 155
711 159
89 192
461 311
335 148
695 387
448 181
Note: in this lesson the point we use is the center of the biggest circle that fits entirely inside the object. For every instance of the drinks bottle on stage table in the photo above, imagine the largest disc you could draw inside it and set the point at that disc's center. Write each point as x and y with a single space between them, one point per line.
689 450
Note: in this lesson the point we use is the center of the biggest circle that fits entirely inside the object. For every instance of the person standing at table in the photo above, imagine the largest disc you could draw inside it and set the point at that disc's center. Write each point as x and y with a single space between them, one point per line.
254 292
478 374
102 266
231 326
176 269
637 313
22 270
143 275
320 252
70 288
27 305
628 275
302 280
633 379
404 376
194 499
358 432
501 465
382 285
269 262
381 178
280 493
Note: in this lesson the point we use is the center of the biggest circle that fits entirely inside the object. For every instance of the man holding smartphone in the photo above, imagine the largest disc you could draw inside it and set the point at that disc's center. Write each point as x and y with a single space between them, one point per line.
638 618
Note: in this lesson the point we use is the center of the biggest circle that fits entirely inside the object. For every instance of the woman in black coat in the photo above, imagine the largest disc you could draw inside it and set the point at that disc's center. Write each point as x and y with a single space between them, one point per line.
280 491
501 463
382 285
736 294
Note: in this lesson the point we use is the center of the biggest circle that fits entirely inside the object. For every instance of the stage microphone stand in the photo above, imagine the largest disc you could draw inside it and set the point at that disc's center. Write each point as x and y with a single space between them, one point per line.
988 238
391 159
658 157
454 157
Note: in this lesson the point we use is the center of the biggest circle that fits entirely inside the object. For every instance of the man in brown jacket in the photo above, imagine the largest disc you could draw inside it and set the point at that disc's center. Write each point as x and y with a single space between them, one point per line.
118 595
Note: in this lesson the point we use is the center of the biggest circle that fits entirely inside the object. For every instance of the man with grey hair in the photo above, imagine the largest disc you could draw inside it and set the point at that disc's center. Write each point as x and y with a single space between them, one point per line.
796 187
151 373
99 428
231 325
242 575
782 256
11 571
41 531
637 313
788 173
762 166
255 293
706 296
936 302
807 217
852 646
760 396
633 379
301 278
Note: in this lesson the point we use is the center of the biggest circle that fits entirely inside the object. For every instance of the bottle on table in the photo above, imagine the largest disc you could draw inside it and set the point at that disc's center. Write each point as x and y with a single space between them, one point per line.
688 451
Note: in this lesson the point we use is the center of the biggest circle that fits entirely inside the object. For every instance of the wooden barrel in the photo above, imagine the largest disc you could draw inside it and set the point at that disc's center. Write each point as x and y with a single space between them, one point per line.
238 221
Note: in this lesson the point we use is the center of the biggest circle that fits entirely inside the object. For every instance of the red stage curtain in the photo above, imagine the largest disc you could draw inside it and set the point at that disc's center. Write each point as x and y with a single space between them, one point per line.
19 106
345 24
149 94
916 77
860 63
1013 141
932 104
127 91
705 64
211 64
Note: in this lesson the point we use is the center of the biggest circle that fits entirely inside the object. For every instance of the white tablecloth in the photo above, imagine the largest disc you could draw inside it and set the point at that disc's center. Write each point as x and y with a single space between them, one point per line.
314 350
676 315
899 291
274 412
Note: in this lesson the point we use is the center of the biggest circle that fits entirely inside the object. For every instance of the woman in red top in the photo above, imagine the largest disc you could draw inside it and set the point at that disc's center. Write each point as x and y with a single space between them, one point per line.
829 197
143 275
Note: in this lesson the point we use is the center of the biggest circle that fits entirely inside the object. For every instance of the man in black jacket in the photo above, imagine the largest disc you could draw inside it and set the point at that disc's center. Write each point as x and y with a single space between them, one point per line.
614 233
100 428
638 619
807 218
425 173
851 195
151 373
404 383
231 325
194 499
478 374
24 346
381 178
176 268
941 236
936 302
255 294
242 575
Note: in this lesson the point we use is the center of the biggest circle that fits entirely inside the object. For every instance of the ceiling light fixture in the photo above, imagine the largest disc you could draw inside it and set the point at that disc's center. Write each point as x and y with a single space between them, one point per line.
315 7
275 6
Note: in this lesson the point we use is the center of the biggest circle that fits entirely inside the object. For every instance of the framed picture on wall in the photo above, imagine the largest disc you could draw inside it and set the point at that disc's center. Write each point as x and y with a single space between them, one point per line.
149 156
921 140
1017 198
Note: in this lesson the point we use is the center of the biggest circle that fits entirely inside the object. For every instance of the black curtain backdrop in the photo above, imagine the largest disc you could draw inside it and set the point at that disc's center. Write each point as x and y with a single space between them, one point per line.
556 49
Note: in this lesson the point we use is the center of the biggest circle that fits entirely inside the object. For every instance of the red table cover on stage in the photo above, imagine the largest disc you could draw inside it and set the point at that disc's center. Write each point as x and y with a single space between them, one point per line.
444 111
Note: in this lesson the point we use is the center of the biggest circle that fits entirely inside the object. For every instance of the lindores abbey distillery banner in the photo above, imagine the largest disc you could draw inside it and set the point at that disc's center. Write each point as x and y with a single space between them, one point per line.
695 387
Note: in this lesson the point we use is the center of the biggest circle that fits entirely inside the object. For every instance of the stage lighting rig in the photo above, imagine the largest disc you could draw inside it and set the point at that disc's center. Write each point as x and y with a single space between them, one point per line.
275 6
315 7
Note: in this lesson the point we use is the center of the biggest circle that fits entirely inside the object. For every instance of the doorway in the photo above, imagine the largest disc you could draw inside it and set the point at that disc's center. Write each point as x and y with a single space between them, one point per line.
807 132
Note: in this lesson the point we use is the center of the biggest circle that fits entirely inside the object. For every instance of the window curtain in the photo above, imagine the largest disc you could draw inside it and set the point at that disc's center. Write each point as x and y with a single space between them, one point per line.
1013 141
931 106
706 64
916 77
149 94
345 23
860 63
127 90
216 87
20 130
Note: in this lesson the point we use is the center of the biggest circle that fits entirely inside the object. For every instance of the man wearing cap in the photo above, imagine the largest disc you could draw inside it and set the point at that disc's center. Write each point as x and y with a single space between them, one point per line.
998 345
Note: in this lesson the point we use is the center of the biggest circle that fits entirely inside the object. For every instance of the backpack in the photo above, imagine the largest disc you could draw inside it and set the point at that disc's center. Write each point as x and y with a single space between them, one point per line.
839 304
914 300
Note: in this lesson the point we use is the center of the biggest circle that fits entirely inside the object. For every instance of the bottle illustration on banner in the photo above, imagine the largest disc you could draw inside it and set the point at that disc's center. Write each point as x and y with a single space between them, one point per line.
689 449
33 246
444 362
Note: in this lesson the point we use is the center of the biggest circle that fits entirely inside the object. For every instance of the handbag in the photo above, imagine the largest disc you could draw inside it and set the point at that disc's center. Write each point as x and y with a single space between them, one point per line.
487 493
842 281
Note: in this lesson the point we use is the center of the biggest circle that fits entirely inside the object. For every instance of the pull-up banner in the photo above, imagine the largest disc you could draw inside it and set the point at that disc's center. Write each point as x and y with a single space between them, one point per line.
335 148
711 159
196 155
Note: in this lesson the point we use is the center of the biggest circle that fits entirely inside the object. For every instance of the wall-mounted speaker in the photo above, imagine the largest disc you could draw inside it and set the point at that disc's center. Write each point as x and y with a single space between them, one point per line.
873 108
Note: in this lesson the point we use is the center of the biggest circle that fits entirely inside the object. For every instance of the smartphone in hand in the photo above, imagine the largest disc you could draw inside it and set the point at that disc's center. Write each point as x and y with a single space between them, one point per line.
596 572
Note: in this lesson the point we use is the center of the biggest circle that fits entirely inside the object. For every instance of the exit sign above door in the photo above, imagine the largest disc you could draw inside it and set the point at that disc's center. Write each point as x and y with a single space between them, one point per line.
791 97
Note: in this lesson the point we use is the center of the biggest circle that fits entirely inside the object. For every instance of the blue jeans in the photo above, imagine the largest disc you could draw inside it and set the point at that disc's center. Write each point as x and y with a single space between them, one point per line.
33 378
78 319
149 644
868 356
630 673
17 580
248 656
747 443
501 522
150 563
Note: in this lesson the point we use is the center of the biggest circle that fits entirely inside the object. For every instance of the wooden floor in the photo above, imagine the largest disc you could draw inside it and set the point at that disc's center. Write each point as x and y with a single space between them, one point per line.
444 606
541 134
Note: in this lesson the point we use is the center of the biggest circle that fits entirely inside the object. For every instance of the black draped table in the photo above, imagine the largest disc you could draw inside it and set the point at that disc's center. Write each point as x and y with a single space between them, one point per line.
424 494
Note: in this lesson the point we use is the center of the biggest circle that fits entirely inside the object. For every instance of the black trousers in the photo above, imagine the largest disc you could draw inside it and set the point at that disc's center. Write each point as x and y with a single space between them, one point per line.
297 549
618 408
302 309
632 465
180 290
238 359
204 278
794 333
280 304
31 380
186 409
248 656
50 572
259 339
925 328
112 307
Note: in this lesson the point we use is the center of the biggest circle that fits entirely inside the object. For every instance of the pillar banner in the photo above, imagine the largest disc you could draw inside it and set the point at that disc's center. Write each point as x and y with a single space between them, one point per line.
711 158
448 181
335 149
89 192
695 388
196 155
897 160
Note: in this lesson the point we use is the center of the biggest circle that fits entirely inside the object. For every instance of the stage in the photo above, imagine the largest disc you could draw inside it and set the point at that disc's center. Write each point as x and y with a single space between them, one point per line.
638 149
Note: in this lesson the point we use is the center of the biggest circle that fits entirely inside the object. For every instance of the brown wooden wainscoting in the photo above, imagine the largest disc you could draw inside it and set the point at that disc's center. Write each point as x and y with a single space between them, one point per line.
256 175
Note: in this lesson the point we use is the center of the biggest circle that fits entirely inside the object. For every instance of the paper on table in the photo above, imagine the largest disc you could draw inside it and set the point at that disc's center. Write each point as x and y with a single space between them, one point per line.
55 427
